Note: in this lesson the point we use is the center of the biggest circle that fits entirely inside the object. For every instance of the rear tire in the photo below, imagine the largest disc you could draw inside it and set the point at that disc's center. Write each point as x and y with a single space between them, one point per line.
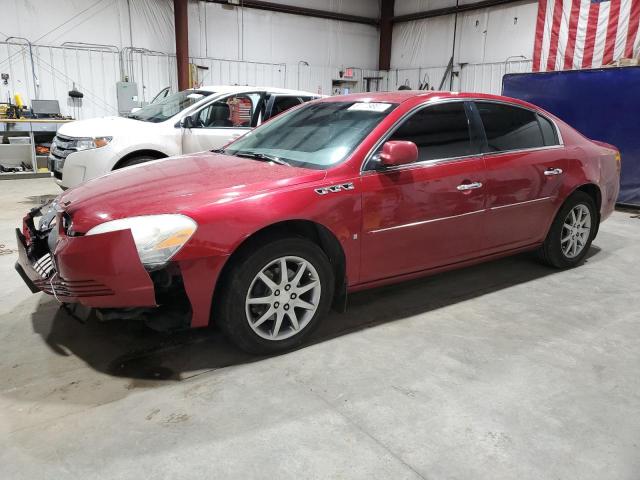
263 312
571 233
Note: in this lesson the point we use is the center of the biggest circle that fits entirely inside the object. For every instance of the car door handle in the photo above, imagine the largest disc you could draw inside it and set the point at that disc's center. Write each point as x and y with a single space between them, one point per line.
469 186
552 171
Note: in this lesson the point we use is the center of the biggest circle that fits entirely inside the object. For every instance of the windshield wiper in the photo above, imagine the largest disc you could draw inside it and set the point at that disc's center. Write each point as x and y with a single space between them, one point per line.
262 156
217 150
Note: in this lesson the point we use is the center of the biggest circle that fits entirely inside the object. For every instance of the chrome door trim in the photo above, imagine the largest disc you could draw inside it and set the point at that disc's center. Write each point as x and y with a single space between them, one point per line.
535 200
424 222
433 220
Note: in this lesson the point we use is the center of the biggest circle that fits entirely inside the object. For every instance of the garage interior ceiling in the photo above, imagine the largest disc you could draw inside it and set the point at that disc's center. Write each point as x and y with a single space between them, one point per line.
254 46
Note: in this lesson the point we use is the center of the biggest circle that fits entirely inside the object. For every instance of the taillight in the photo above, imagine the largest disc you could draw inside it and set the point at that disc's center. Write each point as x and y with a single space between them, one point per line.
25 230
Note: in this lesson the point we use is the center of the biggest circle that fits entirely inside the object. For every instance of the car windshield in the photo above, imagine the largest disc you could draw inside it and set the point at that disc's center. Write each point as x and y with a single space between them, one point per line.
316 135
169 106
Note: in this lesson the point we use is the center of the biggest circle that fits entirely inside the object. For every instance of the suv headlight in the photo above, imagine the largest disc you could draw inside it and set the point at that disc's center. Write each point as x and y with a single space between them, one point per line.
89 143
157 237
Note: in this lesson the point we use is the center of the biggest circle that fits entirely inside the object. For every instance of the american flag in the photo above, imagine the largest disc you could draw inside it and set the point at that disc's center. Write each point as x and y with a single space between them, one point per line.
573 34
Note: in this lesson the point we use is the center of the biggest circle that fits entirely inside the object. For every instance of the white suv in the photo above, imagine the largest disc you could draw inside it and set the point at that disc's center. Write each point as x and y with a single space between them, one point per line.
190 121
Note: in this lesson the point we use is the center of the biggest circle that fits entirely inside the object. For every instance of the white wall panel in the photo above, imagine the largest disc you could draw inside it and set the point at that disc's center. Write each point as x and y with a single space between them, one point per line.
414 77
405 7
483 36
363 8
422 43
510 31
94 73
95 21
487 78
255 35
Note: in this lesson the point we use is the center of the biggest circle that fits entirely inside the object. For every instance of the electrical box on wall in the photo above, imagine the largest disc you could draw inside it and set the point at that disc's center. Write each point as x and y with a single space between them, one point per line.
127 93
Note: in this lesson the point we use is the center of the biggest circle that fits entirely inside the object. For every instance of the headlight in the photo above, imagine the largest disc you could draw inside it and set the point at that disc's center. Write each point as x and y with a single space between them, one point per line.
157 237
89 143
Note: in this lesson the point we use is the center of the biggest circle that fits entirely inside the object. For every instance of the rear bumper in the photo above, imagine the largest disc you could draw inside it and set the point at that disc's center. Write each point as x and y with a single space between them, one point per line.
102 271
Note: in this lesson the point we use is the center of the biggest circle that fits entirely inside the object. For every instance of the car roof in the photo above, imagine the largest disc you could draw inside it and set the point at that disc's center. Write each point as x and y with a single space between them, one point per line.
400 96
251 88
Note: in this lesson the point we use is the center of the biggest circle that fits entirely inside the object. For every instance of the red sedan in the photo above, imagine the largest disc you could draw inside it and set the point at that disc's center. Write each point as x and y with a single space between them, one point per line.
338 195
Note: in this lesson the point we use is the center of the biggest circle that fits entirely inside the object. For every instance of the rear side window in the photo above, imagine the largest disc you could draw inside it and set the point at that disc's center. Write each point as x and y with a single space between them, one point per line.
510 128
549 134
280 104
439 131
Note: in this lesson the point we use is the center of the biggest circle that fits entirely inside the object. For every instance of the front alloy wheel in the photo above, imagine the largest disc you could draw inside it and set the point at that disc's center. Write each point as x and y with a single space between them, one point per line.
283 297
274 294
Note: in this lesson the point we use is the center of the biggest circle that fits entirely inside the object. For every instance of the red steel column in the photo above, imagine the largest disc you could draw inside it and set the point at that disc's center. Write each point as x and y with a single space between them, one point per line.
182 42
386 34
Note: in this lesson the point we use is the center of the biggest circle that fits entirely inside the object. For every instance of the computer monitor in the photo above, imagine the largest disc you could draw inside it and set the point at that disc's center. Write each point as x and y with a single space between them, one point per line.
45 108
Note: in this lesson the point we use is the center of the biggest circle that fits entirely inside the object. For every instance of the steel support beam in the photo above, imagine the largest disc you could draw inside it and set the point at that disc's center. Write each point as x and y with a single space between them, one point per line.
386 34
295 10
182 42
439 12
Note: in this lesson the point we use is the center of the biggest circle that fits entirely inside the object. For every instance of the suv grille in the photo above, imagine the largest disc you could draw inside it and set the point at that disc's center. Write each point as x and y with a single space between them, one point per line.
61 149
64 146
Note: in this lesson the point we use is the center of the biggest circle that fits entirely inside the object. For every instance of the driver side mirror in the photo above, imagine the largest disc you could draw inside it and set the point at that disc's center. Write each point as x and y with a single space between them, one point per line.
188 122
398 152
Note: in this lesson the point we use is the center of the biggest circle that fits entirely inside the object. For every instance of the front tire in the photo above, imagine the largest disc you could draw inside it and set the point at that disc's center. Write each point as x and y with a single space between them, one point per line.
571 233
263 311
134 161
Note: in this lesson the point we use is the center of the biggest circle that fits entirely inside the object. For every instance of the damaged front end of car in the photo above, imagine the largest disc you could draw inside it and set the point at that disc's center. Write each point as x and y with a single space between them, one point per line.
103 271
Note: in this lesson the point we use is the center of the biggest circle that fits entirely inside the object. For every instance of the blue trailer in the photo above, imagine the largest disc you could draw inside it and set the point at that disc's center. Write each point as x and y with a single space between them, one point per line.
603 104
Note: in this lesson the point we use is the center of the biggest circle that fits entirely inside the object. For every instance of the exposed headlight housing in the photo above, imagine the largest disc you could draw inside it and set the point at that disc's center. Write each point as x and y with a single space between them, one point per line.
90 143
157 237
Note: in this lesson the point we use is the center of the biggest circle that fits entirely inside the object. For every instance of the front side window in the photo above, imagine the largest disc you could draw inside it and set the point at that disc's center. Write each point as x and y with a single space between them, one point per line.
439 131
235 111
315 135
509 127
169 106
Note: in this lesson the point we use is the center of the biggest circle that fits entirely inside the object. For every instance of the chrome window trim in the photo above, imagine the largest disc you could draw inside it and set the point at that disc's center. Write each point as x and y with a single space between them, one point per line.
438 161
523 150
424 163
424 222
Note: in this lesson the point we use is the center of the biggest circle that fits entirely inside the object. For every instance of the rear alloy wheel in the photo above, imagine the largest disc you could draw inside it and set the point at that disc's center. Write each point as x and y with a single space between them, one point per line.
274 297
576 231
571 233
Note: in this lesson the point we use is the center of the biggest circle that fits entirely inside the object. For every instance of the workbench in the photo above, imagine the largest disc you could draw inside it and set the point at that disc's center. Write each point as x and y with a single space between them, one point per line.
37 131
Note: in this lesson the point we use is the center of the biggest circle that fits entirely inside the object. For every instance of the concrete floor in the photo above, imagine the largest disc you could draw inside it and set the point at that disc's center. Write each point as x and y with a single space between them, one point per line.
501 371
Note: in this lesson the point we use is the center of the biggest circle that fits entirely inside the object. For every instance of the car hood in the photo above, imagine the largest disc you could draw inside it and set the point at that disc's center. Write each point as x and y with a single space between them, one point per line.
103 127
177 185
